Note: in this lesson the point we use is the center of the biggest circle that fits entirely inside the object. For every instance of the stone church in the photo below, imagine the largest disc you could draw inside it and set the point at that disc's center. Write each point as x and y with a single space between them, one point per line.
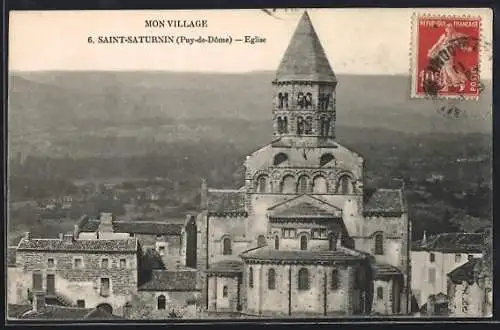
302 237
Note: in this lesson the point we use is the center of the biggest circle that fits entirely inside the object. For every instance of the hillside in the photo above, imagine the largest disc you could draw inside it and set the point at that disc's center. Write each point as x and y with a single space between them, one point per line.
86 113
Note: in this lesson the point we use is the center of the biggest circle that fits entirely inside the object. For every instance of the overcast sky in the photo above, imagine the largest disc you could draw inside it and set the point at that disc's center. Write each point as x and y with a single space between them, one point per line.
356 41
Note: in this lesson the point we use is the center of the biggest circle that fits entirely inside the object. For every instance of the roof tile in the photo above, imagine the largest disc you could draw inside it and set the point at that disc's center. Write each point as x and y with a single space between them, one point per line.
171 280
266 253
97 245
453 242
147 227
384 201
226 201
305 58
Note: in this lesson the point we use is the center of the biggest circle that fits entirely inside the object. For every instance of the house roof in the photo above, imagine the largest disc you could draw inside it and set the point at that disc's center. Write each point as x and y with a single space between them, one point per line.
147 227
223 201
384 270
304 206
288 256
305 58
464 272
11 256
68 245
383 201
171 280
452 243
226 266
50 312
88 225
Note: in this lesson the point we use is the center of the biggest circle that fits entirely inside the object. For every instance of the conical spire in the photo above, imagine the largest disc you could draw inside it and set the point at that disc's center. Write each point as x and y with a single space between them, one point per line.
305 58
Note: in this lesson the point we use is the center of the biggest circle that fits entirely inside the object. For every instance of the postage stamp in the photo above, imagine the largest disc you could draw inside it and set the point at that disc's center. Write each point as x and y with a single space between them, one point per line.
445 57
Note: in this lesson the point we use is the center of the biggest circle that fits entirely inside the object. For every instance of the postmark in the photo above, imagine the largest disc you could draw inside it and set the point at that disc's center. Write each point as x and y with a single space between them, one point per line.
446 57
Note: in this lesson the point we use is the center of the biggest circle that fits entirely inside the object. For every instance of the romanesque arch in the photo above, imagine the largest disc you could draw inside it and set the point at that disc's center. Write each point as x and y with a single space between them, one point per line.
320 184
287 185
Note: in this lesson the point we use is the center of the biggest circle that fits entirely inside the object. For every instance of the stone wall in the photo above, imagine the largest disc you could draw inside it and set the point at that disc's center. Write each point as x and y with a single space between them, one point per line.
181 302
80 284
288 299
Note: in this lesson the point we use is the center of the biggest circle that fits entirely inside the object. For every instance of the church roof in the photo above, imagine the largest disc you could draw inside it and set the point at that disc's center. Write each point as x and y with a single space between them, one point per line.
298 256
383 201
226 266
225 201
305 58
147 227
304 206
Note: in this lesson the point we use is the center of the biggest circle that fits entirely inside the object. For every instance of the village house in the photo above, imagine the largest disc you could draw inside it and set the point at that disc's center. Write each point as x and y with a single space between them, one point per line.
39 310
167 292
168 239
470 289
74 272
434 257
303 237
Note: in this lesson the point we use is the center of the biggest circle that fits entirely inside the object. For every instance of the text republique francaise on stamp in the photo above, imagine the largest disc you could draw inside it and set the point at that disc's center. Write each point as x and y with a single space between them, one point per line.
445 57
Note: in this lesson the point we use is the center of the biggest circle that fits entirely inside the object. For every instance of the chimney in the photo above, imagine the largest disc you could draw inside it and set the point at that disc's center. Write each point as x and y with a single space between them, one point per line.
424 239
38 300
27 235
68 237
61 236
106 225
76 231
204 195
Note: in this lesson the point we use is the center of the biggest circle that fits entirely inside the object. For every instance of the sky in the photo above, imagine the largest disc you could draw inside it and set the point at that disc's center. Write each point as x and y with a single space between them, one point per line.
356 41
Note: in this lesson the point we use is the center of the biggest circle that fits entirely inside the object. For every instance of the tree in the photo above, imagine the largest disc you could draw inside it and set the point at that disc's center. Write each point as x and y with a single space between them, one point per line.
147 262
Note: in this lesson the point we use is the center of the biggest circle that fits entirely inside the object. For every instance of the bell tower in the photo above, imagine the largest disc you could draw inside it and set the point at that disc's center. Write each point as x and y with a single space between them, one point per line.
304 92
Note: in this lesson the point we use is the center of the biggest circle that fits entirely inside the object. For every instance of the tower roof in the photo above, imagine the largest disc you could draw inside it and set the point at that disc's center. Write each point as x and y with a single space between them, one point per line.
305 58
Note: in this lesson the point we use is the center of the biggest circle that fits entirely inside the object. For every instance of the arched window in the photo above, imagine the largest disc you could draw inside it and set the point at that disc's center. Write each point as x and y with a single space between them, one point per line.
288 185
379 244
303 184
303 279
280 158
308 126
226 246
280 125
224 291
320 185
276 242
271 279
280 99
308 100
261 241
162 302
285 97
262 183
300 100
285 123
345 184
325 159
332 242
300 125
380 293
250 277
325 126
303 242
335 279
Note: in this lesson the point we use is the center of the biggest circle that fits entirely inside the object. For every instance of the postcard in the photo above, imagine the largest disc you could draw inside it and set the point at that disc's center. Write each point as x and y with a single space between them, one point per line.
263 164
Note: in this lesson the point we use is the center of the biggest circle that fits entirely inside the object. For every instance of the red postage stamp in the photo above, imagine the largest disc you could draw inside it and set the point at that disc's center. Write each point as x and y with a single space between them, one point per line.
445 56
